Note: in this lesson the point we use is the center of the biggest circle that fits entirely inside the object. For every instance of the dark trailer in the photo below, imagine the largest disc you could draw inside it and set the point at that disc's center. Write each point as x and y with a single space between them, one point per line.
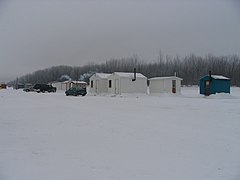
212 84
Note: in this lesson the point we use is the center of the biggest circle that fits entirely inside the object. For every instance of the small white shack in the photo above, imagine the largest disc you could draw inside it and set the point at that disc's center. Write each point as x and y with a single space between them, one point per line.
171 84
81 84
120 82
99 83
63 86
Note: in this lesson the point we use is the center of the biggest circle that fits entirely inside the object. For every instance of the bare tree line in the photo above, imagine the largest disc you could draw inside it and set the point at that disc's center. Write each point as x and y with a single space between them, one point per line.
191 68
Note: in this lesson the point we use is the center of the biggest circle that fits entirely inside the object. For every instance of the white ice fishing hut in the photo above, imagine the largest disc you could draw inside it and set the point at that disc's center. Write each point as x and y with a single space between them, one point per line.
63 86
171 84
99 83
120 82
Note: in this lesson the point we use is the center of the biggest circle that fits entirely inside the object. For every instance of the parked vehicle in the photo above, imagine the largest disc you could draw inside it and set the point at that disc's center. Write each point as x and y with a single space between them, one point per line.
44 88
3 86
19 86
76 91
29 89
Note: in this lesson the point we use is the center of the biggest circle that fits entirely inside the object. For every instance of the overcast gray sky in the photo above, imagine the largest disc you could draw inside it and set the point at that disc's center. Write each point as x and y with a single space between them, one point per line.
35 34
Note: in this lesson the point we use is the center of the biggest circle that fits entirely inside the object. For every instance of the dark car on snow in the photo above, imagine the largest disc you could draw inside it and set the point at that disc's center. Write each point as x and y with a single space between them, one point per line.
76 91
44 88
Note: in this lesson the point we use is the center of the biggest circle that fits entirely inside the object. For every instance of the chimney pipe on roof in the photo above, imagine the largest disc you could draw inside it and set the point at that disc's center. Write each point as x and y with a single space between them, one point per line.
210 75
134 75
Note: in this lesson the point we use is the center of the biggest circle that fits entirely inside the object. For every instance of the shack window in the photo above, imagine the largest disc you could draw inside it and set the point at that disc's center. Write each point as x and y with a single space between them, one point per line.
91 84
110 83
173 83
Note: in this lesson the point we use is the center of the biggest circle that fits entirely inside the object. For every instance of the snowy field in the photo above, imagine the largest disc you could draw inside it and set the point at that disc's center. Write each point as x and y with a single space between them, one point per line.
170 137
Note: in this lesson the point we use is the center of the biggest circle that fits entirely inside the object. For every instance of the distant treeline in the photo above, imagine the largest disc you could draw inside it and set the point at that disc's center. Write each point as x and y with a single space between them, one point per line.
190 68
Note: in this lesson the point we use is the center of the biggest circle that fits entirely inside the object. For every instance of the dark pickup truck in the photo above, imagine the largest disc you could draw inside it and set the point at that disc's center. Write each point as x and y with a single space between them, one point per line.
44 88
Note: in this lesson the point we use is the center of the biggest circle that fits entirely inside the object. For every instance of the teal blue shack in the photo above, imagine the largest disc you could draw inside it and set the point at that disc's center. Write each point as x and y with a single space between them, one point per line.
212 84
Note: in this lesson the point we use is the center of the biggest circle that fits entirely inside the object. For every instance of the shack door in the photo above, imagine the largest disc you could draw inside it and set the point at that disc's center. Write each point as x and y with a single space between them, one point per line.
207 88
174 86
116 86
97 86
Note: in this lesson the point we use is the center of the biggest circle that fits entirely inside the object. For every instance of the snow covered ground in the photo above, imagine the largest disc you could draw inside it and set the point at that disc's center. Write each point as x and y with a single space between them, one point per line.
170 137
